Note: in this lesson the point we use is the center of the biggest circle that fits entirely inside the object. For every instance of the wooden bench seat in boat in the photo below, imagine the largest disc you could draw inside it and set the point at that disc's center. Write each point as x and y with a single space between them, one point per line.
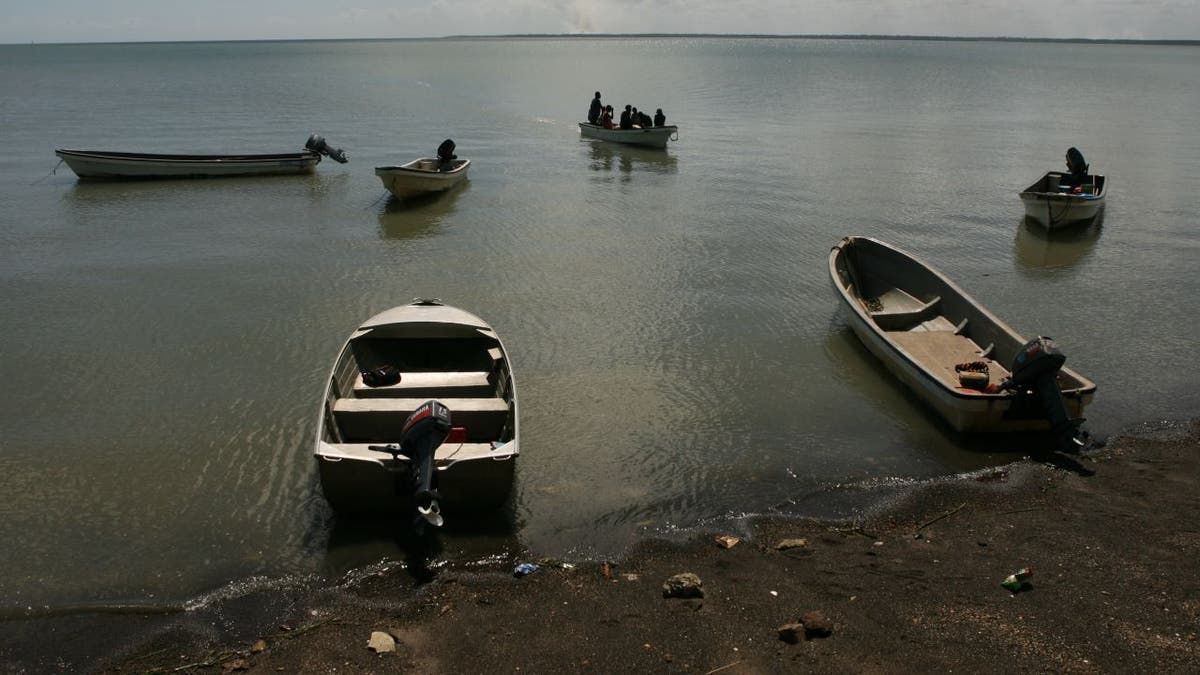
912 317
382 419
446 452
430 385
940 351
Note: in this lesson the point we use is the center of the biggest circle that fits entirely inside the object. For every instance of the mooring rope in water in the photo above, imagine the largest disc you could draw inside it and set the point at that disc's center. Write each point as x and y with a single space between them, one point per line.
52 172
377 200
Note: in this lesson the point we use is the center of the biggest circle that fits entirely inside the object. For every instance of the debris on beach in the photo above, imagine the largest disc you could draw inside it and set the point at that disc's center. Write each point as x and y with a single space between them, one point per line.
791 632
727 541
524 570
236 664
381 642
785 544
816 624
685 585
259 647
1017 581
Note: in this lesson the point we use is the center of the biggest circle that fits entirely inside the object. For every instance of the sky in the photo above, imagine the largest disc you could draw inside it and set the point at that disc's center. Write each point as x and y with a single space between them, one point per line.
24 21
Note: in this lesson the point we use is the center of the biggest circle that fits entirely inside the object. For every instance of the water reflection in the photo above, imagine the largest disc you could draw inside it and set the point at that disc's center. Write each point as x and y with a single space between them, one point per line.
1038 251
627 158
415 217
356 543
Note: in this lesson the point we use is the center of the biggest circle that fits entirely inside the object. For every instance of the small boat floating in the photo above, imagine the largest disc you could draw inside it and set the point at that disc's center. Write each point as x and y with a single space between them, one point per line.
968 365
422 176
1059 199
135 165
652 137
425 175
419 413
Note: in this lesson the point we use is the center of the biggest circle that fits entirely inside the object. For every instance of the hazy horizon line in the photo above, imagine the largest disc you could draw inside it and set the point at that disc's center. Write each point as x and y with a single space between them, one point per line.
587 36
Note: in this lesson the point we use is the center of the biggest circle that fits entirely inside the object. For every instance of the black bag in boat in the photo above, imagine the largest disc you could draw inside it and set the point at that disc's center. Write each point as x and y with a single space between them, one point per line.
381 376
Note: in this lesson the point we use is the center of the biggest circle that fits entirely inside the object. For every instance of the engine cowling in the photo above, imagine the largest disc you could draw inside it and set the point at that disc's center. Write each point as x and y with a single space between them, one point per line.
1035 373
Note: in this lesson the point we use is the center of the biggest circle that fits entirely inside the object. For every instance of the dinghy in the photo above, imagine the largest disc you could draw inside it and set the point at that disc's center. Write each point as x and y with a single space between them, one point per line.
419 413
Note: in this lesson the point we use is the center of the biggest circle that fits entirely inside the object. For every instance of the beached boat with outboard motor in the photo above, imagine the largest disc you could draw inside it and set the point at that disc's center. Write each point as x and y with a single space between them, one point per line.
651 137
105 164
1062 198
974 370
419 413
422 176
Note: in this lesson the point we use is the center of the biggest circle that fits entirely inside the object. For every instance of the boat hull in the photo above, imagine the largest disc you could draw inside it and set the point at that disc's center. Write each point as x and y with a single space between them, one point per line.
421 177
360 484
453 357
963 409
650 137
126 165
1054 209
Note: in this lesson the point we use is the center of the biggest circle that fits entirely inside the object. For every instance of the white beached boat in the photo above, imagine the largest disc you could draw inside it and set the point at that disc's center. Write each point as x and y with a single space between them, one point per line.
653 137
105 164
423 175
973 369
442 431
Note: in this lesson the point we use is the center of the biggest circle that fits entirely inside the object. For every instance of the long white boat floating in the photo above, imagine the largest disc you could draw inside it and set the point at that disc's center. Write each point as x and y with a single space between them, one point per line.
106 164
651 137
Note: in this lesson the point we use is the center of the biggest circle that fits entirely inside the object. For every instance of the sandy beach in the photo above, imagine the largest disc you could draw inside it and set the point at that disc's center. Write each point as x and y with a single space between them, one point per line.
1112 540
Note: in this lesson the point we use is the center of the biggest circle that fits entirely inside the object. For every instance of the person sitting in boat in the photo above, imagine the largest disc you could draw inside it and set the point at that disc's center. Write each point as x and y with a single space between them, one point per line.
645 120
1077 166
596 110
445 155
660 120
606 118
627 118
635 118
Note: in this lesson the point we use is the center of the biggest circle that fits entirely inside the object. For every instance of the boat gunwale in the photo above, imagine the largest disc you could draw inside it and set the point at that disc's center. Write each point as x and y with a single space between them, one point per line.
410 170
1086 388
147 158
367 326
1031 193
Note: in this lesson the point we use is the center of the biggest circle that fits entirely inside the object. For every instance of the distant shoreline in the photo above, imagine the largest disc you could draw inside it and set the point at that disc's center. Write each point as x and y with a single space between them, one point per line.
642 36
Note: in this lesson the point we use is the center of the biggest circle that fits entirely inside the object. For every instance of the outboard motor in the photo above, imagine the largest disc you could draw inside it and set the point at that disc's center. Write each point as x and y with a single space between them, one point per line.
318 145
1076 164
1035 373
445 151
423 432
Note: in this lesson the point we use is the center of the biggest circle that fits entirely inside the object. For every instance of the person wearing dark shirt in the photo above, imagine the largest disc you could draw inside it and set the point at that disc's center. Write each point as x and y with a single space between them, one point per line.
596 109
635 117
660 120
626 119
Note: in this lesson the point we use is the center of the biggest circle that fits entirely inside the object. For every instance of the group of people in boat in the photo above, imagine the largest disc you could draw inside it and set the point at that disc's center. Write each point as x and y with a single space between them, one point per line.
631 117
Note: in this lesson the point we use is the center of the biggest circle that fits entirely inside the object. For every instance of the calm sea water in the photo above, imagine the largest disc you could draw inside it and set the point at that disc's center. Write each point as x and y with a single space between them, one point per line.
679 353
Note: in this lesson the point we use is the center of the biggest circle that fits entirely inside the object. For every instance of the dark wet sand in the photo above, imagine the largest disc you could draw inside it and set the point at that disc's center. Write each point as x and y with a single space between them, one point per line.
1113 540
